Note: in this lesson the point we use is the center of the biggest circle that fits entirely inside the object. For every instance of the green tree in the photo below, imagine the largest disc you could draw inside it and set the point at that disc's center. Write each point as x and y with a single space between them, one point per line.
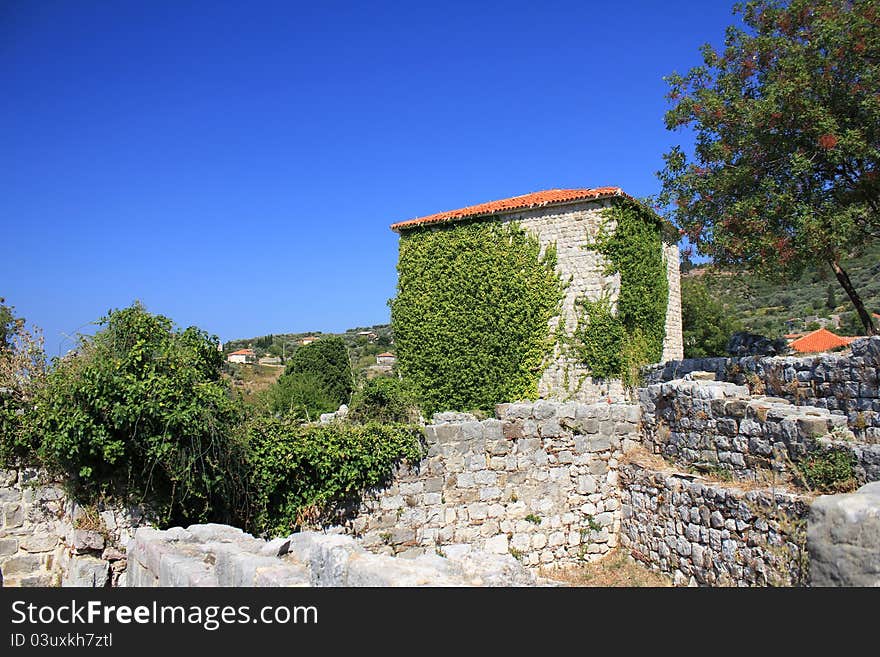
22 373
300 396
787 150
385 399
830 298
706 323
326 362
140 412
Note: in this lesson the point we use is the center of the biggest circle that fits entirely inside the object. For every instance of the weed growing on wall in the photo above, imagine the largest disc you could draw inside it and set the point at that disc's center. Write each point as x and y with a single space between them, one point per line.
616 342
472 314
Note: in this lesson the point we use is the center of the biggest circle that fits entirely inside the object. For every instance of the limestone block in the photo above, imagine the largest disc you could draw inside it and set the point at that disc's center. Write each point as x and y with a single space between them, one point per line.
843 538
86 571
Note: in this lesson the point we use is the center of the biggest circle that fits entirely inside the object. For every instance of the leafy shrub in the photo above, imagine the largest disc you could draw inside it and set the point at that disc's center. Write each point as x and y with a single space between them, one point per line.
472 313
706 323
300 396
22 372
384 399
325 362
140 412
829 471
307 472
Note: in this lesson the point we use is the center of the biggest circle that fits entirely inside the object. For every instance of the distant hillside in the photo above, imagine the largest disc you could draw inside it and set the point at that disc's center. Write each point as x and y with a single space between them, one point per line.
774 308
364 344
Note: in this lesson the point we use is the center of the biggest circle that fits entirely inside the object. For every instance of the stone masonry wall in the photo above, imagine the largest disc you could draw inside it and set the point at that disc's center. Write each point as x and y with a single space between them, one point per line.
538 482
844 383
712 534
570 227
48 540
717 425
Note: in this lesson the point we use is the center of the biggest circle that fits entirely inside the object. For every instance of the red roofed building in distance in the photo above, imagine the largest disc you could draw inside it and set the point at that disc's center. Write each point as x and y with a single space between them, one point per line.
570 219
386 359
819 340
242 356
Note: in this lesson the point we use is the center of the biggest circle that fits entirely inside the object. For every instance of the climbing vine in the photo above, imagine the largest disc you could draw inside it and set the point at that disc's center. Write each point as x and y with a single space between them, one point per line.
616 344
472 314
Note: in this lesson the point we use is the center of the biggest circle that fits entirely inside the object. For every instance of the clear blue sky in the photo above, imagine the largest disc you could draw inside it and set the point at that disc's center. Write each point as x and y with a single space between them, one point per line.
235 165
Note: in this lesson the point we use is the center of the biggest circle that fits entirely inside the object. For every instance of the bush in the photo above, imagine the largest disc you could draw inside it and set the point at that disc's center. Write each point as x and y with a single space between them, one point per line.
22 373
829 471
300 396
384 399
706 323
306 473
140 412
325 362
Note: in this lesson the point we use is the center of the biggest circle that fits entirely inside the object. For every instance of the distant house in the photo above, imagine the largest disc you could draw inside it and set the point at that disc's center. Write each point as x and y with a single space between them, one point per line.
370 335
819 340
242 356
386 359
309 339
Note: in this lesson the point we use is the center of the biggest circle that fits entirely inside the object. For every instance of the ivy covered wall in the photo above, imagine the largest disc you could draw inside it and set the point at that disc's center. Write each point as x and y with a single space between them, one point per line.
472 315
481 316
614 340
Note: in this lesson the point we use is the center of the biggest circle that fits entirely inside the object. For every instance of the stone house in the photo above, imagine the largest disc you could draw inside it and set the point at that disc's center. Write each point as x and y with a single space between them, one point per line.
571 219
386 359
242 356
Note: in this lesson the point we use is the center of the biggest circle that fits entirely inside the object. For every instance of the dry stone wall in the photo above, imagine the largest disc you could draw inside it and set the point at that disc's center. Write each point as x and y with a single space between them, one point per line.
717 425
46 539
539 482
844 383
710 534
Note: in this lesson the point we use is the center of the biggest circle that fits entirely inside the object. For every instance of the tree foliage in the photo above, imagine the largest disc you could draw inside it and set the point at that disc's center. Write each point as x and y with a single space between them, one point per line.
140 412
385 399
787 126
706 323
472 315
22 373
326 363
305 473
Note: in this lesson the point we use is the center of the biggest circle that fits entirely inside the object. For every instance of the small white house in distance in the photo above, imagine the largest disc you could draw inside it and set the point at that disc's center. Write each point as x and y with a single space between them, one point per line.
386 359
308 340
242 356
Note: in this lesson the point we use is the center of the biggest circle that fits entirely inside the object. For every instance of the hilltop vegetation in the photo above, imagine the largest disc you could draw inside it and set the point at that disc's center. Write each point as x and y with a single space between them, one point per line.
362 349
764 305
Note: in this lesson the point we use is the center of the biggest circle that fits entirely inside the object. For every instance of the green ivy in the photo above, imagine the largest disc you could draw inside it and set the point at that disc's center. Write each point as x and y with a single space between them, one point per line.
472 312
616 345
304 473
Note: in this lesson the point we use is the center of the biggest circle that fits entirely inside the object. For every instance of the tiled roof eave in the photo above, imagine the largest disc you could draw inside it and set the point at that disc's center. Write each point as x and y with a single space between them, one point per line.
452 217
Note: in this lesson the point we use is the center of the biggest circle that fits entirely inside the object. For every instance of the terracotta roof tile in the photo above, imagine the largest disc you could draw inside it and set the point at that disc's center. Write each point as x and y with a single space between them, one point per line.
533 200
820 340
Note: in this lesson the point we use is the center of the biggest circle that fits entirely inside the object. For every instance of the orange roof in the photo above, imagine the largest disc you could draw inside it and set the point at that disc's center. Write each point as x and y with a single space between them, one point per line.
385 355
533 200
243 352
820 340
